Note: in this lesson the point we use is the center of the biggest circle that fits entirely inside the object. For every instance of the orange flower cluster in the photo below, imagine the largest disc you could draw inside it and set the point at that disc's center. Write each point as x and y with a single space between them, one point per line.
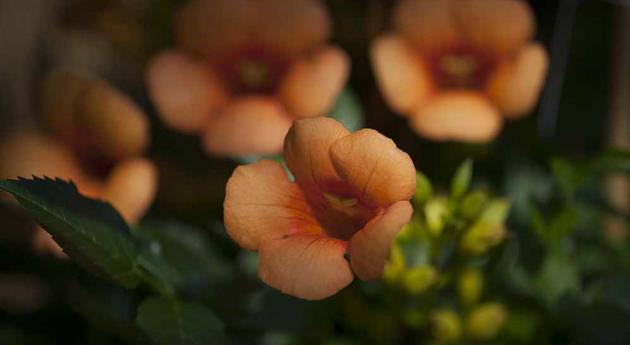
350 196
95 138
456 68
244 70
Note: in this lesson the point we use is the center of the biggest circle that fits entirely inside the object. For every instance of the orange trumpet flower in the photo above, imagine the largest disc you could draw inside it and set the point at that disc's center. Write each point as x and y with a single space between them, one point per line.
244 70
456 68
97 135
350 196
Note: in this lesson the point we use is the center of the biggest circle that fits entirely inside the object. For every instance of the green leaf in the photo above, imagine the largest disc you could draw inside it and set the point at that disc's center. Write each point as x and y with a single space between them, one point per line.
558 276
461 180
171 322
89 231
424 191
566 176
348 111
184 254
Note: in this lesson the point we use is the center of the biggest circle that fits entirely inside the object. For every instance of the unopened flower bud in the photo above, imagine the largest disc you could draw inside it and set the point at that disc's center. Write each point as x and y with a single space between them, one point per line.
418 279
485 321
473 203
481 236
470 286
395 267
435 209
446 326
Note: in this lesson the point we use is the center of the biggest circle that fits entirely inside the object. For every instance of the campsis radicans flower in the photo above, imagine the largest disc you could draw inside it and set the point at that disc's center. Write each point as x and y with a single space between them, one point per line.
95 137
244 69
457 68
349 200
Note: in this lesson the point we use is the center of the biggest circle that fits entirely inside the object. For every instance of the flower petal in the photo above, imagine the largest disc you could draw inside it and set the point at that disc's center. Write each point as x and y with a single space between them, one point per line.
251 125
184 90
214 27
261 205
497 25
113 122
459 116
313 83
428 24
131 188
370 246
59 94
516 85
402 77
306 151
373 165
306 266
27 153
292 27
43 243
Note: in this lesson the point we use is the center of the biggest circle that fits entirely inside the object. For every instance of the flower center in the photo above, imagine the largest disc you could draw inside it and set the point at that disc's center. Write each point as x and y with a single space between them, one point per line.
252 69
462 68
340 211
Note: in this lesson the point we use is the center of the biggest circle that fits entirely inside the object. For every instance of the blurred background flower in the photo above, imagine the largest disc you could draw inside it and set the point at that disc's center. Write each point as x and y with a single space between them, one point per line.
455 69
240 81
91 134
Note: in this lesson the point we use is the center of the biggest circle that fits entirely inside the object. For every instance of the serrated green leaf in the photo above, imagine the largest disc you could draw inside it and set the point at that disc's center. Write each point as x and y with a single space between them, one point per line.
172 322
90 231
461 180
348 111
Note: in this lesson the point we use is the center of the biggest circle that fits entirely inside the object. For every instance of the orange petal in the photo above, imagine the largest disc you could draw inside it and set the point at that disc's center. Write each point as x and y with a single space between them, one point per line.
184 90
459 116
306 266
213 27
372 164
131 188
516 85
306 150
292 27
428 24
59 95
27 152
497 25
402 78
252 125
261 205
312 84
113 122
370 246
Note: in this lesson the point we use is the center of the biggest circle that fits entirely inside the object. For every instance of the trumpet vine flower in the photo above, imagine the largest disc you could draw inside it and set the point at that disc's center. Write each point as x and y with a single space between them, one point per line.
244 69
349 200
95 138
457 68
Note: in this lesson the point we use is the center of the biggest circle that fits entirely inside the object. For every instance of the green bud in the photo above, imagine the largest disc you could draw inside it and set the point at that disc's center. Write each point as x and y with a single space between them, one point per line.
496 212
473 204
435 210
418 279
395 266
470 286
424 191
485 321
461 180
481 236
446 325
